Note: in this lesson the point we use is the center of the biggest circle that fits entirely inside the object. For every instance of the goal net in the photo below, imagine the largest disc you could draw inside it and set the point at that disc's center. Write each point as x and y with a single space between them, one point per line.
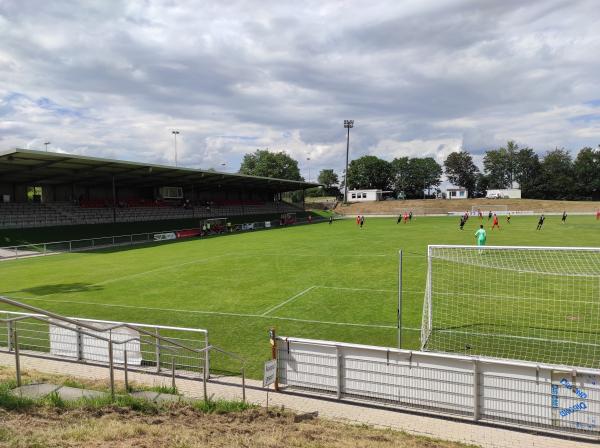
486 208
214 226
534 303
286 219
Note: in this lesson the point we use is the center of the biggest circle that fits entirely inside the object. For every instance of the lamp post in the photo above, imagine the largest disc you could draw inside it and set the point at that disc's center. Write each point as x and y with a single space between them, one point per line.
308 166
46 144
175 134
347 124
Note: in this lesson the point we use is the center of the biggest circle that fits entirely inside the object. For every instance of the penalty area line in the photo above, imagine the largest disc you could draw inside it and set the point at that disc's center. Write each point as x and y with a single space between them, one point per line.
222 313
301 293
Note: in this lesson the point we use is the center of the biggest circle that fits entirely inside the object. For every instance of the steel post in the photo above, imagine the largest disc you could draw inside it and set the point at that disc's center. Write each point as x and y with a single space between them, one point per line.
17 359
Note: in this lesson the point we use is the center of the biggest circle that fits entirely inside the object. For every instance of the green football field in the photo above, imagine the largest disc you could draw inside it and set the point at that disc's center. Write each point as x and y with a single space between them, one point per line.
321 281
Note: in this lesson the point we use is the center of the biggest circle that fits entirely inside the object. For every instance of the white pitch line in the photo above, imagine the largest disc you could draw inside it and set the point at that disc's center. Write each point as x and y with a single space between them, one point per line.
372 290
288 300
222 313
528 338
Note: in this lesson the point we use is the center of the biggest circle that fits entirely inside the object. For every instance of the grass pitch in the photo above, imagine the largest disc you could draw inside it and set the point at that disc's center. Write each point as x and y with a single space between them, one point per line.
336 282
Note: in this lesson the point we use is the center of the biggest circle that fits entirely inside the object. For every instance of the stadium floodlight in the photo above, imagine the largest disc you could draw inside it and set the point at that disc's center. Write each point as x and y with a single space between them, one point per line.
308 166
46 144
539 304
347 124
175 134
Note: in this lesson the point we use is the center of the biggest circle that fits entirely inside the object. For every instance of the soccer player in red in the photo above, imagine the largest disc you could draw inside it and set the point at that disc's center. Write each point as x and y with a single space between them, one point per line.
405 217
495 222
598 215
358 220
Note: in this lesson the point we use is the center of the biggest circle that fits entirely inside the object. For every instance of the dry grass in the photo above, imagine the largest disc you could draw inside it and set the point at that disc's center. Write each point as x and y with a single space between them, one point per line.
185 427
182 426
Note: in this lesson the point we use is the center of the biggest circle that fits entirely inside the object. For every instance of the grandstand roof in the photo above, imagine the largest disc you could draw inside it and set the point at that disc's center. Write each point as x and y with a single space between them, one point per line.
25 166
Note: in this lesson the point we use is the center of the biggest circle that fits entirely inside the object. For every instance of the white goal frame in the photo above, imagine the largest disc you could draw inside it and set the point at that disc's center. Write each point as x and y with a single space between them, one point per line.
587 278
500 209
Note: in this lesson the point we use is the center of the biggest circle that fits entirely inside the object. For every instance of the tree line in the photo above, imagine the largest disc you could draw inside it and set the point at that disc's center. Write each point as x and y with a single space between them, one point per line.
556 175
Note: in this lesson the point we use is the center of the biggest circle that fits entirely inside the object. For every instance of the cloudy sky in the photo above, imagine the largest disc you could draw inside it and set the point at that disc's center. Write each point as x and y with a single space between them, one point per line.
419 77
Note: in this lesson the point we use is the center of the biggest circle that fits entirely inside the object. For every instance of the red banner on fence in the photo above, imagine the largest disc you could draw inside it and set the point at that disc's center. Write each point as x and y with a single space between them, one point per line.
188 233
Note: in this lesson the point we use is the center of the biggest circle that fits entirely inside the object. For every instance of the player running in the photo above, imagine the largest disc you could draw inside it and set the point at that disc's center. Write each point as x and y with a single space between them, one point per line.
405 218
481 236
462 222
358 220
495 222
480 214
541 222
399 218
564 217
410 215
330 220
598 215
490 215
362 221
508 218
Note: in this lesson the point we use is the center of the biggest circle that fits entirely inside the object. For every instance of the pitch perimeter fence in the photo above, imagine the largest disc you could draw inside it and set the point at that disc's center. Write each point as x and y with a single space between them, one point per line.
106 242
548 398
150 348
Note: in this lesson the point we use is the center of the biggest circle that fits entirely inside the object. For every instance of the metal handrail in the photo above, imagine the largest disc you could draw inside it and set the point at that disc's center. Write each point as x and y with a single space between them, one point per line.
52 318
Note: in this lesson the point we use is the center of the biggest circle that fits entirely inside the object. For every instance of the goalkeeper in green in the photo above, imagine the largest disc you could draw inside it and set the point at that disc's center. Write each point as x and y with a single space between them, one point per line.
481 236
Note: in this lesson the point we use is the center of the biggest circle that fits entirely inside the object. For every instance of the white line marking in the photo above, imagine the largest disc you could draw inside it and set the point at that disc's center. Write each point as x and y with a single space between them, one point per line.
533 338
222 313
301 293
372 290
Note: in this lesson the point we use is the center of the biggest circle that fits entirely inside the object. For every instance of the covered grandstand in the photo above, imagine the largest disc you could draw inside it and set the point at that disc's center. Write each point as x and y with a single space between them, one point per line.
39 189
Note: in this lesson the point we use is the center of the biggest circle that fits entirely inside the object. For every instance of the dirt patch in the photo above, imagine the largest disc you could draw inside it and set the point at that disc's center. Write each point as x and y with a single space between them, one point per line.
183 426
186 427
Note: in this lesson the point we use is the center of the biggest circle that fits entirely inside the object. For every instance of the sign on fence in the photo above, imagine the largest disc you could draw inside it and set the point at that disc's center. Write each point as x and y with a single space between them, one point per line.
270 372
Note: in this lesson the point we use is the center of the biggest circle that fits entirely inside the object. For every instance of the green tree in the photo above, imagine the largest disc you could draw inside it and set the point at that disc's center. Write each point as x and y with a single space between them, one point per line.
586 170
401 178
528 173
415 175
270 164
556 175
370 172
461 171
481 186
501 165
328 178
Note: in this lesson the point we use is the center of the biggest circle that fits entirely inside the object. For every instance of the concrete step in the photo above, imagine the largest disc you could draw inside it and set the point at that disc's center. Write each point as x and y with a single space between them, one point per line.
37 391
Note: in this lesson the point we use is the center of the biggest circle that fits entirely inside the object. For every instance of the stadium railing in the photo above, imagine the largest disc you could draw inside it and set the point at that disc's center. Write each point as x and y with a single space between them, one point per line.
131 347
105 242
548 398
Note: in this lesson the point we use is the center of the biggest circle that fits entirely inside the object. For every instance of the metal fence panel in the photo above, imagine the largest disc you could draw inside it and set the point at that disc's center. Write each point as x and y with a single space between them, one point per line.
143 352
545 397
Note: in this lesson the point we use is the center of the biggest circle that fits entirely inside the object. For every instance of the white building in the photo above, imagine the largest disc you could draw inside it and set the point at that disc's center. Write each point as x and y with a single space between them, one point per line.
364 195
457 193
506 193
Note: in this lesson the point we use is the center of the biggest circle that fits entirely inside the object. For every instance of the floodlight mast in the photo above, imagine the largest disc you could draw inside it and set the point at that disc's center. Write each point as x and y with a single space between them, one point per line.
46 144
347 124
175 134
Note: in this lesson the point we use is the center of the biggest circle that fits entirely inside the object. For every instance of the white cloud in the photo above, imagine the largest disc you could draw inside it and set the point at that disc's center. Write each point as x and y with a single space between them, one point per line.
419 77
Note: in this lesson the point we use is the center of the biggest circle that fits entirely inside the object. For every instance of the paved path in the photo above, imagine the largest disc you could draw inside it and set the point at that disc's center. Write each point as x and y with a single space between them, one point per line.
229 388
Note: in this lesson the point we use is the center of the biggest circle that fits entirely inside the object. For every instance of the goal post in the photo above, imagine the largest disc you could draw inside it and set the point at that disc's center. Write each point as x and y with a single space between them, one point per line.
498 209
286 219
539 304
214 226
